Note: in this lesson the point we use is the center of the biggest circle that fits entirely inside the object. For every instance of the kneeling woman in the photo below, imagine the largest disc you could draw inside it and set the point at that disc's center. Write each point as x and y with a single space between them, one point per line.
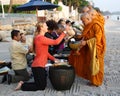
40 47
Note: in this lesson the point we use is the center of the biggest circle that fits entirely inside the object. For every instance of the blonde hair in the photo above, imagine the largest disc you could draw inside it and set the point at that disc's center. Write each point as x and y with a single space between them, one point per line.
38 29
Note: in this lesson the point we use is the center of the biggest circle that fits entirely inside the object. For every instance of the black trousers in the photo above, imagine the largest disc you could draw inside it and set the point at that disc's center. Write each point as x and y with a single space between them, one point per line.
20 75
40 83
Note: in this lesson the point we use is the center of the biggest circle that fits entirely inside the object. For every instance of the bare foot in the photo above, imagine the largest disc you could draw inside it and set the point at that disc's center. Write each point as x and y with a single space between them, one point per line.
19 86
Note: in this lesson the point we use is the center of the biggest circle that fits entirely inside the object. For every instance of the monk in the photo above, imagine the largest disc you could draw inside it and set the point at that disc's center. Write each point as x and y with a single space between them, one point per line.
85 9
90 6
87 65
97 16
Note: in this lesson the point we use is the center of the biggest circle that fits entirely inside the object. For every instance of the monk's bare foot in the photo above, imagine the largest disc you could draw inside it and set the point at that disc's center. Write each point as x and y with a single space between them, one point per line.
19 85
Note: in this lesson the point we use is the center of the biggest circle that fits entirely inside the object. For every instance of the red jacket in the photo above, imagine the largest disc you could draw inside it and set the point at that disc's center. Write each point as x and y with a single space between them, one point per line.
41 48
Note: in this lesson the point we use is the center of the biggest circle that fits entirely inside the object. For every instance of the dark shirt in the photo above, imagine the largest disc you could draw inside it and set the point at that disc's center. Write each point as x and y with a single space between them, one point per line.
51 47
58 48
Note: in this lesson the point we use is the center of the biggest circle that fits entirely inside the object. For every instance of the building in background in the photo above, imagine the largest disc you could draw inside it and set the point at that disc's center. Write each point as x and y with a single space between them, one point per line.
7 2
56 15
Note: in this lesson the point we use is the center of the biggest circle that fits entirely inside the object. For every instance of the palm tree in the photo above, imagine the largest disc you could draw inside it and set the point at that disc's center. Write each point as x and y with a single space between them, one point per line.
10 6
75 3
3 13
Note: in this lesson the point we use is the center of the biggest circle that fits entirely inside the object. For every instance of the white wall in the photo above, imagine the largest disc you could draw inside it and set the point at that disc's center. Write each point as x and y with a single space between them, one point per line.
65 11
5 2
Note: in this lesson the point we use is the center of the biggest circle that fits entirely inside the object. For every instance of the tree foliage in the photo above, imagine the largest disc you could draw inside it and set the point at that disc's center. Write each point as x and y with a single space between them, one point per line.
75 3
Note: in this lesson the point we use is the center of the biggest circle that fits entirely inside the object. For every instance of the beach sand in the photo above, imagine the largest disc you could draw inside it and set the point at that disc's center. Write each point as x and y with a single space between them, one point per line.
110 86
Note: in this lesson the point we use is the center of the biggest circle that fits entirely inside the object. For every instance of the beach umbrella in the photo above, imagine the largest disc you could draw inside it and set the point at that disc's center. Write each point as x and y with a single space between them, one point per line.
36 5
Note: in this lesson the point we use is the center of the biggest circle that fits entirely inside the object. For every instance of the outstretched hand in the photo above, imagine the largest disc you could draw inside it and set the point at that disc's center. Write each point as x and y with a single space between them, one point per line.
83 42
67 28
57 61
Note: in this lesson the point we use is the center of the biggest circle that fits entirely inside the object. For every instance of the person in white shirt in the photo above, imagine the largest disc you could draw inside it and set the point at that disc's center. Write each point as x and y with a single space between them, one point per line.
18 59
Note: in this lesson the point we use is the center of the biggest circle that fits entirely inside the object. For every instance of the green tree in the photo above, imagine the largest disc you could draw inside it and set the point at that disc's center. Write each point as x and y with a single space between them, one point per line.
82 4
75 3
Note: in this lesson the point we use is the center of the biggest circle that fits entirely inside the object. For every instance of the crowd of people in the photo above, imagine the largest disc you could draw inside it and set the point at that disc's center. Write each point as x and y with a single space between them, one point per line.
50 37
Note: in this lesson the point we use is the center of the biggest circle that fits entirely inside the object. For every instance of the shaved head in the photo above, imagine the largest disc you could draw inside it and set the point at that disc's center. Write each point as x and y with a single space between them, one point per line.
86 18
93 13
85 9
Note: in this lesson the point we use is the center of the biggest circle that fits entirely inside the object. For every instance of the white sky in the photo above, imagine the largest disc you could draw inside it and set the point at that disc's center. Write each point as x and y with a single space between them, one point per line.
107 5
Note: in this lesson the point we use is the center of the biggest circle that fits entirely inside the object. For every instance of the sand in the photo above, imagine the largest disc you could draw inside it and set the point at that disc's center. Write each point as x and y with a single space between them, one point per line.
110 86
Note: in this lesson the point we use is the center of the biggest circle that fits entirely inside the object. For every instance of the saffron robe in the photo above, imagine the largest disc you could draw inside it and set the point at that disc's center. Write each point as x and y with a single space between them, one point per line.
81 62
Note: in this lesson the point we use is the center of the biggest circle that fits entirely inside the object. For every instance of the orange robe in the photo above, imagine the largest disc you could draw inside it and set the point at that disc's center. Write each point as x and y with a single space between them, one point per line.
100 18
81 62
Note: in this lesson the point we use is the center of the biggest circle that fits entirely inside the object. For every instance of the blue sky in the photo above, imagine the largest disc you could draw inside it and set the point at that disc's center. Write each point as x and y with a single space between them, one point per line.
111 5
